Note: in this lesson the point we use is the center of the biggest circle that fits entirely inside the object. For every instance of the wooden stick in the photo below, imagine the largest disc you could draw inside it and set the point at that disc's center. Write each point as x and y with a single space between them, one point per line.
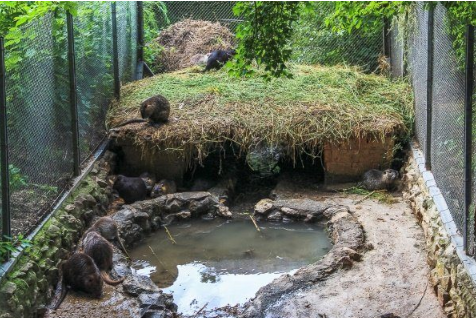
254 222
198 312
369 195
170 235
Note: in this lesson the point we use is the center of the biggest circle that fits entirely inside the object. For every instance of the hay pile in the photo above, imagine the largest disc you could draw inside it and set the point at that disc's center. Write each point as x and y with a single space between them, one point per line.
320 104
184 39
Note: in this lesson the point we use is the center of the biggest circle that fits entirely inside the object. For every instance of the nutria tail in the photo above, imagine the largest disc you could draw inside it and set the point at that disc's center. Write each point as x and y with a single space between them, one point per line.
109 281
61 290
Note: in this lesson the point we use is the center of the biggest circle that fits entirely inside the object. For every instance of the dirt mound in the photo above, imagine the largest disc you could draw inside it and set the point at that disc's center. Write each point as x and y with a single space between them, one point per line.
184 39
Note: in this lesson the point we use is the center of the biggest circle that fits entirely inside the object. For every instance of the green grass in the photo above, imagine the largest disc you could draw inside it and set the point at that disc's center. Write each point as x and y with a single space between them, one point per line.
320 104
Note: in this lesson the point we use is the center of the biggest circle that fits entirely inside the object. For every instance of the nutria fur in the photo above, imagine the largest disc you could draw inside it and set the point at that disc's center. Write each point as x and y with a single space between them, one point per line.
149 181
156 109
107 228
131 189
218 58
379 180
100 251
79 273
163 187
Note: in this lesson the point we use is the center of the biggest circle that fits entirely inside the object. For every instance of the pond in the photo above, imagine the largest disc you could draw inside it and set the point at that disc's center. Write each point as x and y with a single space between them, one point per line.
216 262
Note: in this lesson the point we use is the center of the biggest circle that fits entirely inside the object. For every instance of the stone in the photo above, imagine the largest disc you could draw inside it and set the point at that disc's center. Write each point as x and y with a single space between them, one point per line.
137 284
184 215
263 206
275 216
8 290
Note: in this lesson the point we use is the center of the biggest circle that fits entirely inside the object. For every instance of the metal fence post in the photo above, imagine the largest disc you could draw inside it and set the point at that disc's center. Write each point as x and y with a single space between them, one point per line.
429 86
115 55
468 136
6 225
73 96
140 31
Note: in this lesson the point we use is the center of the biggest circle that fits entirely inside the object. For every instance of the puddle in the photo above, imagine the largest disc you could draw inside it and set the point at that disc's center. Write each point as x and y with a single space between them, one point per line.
217 262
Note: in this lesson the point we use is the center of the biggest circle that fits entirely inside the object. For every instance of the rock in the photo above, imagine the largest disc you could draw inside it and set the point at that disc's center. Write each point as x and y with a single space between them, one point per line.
184 215
8 290
275 216
224 211
263 206
137 284
264 159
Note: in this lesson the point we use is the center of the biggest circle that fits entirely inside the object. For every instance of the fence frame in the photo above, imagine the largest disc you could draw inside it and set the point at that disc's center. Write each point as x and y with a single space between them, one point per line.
5 175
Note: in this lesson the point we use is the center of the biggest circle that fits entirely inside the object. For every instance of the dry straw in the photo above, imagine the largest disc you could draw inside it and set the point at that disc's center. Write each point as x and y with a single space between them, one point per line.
319 105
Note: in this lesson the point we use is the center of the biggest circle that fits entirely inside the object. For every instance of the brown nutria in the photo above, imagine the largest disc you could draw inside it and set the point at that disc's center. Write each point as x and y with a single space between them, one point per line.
149 181
107 228
218 58
131 189
79 273
100 251
156 109
163 187
379 180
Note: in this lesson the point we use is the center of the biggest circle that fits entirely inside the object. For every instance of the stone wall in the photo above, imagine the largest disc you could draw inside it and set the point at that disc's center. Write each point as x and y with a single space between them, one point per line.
452 272
30 284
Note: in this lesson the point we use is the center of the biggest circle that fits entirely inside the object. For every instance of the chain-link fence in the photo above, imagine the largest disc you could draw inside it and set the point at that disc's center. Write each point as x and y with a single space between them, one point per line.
438 79
39 127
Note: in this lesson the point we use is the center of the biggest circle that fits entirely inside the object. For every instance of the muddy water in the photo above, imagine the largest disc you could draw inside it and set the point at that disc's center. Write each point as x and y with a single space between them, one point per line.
225 262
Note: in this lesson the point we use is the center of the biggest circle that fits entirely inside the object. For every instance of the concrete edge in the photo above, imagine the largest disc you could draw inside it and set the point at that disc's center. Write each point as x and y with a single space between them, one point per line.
449 224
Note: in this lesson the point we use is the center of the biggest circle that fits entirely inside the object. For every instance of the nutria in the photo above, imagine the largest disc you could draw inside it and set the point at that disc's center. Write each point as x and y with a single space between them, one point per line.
163 187
100 251
149 181
131 189
218 58
79 273
155 110
201 184
107 228
379 180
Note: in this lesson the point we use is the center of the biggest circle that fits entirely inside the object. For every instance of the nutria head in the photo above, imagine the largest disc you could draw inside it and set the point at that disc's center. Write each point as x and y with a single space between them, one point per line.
390 175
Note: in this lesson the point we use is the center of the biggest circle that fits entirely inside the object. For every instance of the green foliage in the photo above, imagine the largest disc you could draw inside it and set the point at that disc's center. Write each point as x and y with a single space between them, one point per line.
12 245
264 36
17 180
314 43
460 14
154 11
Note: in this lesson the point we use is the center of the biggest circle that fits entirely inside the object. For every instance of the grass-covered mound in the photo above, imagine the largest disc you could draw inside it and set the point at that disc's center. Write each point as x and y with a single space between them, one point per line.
320 104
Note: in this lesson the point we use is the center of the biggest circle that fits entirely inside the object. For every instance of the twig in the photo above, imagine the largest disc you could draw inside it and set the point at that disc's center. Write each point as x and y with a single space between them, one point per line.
198 312
368 195
417 305
254 222
156 257
170 235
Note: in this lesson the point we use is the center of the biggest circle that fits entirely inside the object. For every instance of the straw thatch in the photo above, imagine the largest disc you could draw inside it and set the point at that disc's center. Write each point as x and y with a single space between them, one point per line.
320 104
187 38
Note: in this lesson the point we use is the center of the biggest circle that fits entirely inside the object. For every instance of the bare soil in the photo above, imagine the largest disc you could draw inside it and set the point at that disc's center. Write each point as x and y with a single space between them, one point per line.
392 278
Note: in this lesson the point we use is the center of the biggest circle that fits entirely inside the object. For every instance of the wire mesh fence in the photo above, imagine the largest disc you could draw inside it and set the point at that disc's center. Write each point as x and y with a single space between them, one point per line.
39 126
440 115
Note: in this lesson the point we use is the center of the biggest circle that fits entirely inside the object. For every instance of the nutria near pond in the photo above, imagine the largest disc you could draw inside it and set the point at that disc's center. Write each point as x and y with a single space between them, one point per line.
218 58
379 180
79 273
131 189
107 228
149 181
163 187
100 251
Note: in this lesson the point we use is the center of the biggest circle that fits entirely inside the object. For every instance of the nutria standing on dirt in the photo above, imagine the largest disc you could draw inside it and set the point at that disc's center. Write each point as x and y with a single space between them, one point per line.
131 189
156 109
218 58
79 273
100 250
107 228
163 187
379 180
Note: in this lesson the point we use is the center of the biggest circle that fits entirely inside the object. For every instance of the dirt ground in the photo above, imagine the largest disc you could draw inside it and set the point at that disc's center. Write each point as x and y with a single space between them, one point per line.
391 279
